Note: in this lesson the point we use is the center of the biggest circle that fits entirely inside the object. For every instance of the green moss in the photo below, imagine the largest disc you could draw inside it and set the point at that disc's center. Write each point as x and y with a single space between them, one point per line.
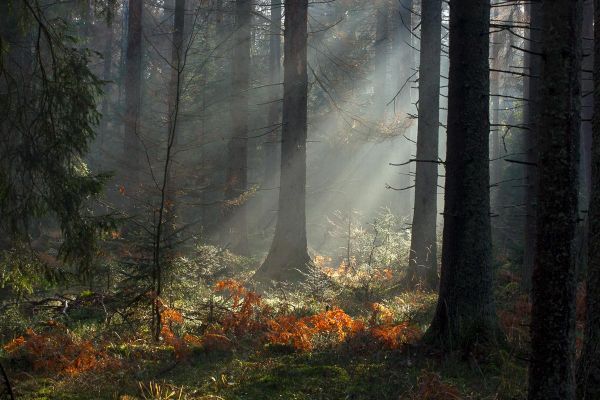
326 376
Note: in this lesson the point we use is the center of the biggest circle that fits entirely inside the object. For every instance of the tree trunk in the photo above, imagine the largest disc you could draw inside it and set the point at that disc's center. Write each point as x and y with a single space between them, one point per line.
288 252
212 215
107 73
423 247
274 123
533 64
587 100
465 311
174 97
403 105
588 377
587 112
496 163
133 80
381 63
405 54
163 227
237 147
551 374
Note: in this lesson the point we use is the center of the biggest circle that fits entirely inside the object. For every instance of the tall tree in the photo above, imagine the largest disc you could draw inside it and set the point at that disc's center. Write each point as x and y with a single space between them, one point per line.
107 54
212 217
381 59
405 65
551 374
274 122
585 145
165 219
533 65
177 65
405 52
107 68
588 374
48 103
288 252
133 83
496 163
237 148
423 248
465 312
587 100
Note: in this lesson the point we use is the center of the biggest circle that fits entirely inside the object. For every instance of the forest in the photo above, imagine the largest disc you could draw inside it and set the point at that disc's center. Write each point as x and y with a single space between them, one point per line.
300 199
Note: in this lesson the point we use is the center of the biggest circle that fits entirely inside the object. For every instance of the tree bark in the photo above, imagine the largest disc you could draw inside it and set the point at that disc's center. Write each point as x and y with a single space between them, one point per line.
533 64
237 148
405 64
381 62
496 164
133 81
423 248
587 112
551 372
288 252
588 376
587 100
405 54
465 311
274 119
107 72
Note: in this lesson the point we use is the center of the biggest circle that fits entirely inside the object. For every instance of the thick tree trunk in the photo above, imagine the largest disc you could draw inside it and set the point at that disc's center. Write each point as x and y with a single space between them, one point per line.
465 311
587 100
588 377
288 252
587 112
423 247
533 64
237 148
551 372
133 80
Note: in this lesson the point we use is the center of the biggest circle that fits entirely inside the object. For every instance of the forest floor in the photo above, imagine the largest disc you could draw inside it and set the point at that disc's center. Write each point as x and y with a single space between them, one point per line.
153 371
311 376
261 349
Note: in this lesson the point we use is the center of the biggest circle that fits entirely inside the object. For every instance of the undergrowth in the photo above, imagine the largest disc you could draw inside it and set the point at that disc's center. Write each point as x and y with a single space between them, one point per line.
221 339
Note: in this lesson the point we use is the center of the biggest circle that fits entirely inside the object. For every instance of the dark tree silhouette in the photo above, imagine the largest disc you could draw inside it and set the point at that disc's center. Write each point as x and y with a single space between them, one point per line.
465 312
132 155
588 376
533 63
551 374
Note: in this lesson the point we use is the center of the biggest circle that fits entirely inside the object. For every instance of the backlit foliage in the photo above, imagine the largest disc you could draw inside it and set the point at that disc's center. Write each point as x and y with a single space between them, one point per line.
300 332
338 327
169 318
57 351
246 309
